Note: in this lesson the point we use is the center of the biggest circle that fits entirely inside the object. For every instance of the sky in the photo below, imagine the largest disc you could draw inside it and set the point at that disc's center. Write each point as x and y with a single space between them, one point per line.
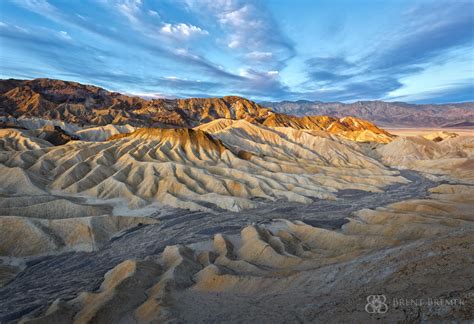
327 50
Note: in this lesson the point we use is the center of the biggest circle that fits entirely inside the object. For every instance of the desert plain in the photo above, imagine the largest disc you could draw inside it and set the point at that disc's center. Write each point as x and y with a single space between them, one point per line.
425 131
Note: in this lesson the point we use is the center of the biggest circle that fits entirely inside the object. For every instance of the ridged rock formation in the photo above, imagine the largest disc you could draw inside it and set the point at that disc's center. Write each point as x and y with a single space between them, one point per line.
451 158
196 170
185 138
13 139
271 271
349 127
102 133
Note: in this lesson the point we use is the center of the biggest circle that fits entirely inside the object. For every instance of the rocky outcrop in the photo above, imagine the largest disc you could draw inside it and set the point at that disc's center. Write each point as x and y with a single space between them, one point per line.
55 135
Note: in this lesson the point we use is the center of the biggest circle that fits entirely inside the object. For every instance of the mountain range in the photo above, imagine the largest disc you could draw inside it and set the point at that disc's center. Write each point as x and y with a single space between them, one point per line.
386 114
86 105
90 105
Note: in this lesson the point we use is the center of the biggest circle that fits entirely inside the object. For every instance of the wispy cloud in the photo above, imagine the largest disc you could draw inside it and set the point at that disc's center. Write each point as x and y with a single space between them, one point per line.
203 63
42 7
64 34
452 92
244 47
432 29
259 56
249 27
153 13
131 9
429 31
182 31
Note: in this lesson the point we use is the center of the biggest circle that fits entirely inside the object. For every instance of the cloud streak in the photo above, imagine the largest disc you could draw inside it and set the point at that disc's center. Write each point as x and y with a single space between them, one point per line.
431 31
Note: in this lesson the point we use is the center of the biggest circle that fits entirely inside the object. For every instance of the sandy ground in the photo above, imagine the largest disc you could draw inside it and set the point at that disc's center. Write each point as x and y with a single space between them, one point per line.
424 131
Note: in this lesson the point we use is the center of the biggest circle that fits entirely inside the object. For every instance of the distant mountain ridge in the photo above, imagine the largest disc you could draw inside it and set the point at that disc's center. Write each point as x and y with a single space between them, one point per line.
387 114
86 105
80 104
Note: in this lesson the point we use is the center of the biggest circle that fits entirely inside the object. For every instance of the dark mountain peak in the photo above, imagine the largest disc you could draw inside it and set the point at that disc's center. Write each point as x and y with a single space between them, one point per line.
74 102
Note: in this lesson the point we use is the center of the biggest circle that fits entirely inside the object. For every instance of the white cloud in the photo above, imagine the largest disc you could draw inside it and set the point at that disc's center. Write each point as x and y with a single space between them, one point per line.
153 13
181 51
253 74
234 44
243 72
39 6
2 24
248 26
63 34
260 56
151 95
262 81
244 23
130 9
243 17
182 30
23 30
221 5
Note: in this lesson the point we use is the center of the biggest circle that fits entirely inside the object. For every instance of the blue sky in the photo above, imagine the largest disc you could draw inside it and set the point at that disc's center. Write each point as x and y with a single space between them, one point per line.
328 50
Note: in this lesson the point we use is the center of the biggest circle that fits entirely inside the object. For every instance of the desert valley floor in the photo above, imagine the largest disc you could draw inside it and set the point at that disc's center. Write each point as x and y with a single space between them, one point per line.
233 214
